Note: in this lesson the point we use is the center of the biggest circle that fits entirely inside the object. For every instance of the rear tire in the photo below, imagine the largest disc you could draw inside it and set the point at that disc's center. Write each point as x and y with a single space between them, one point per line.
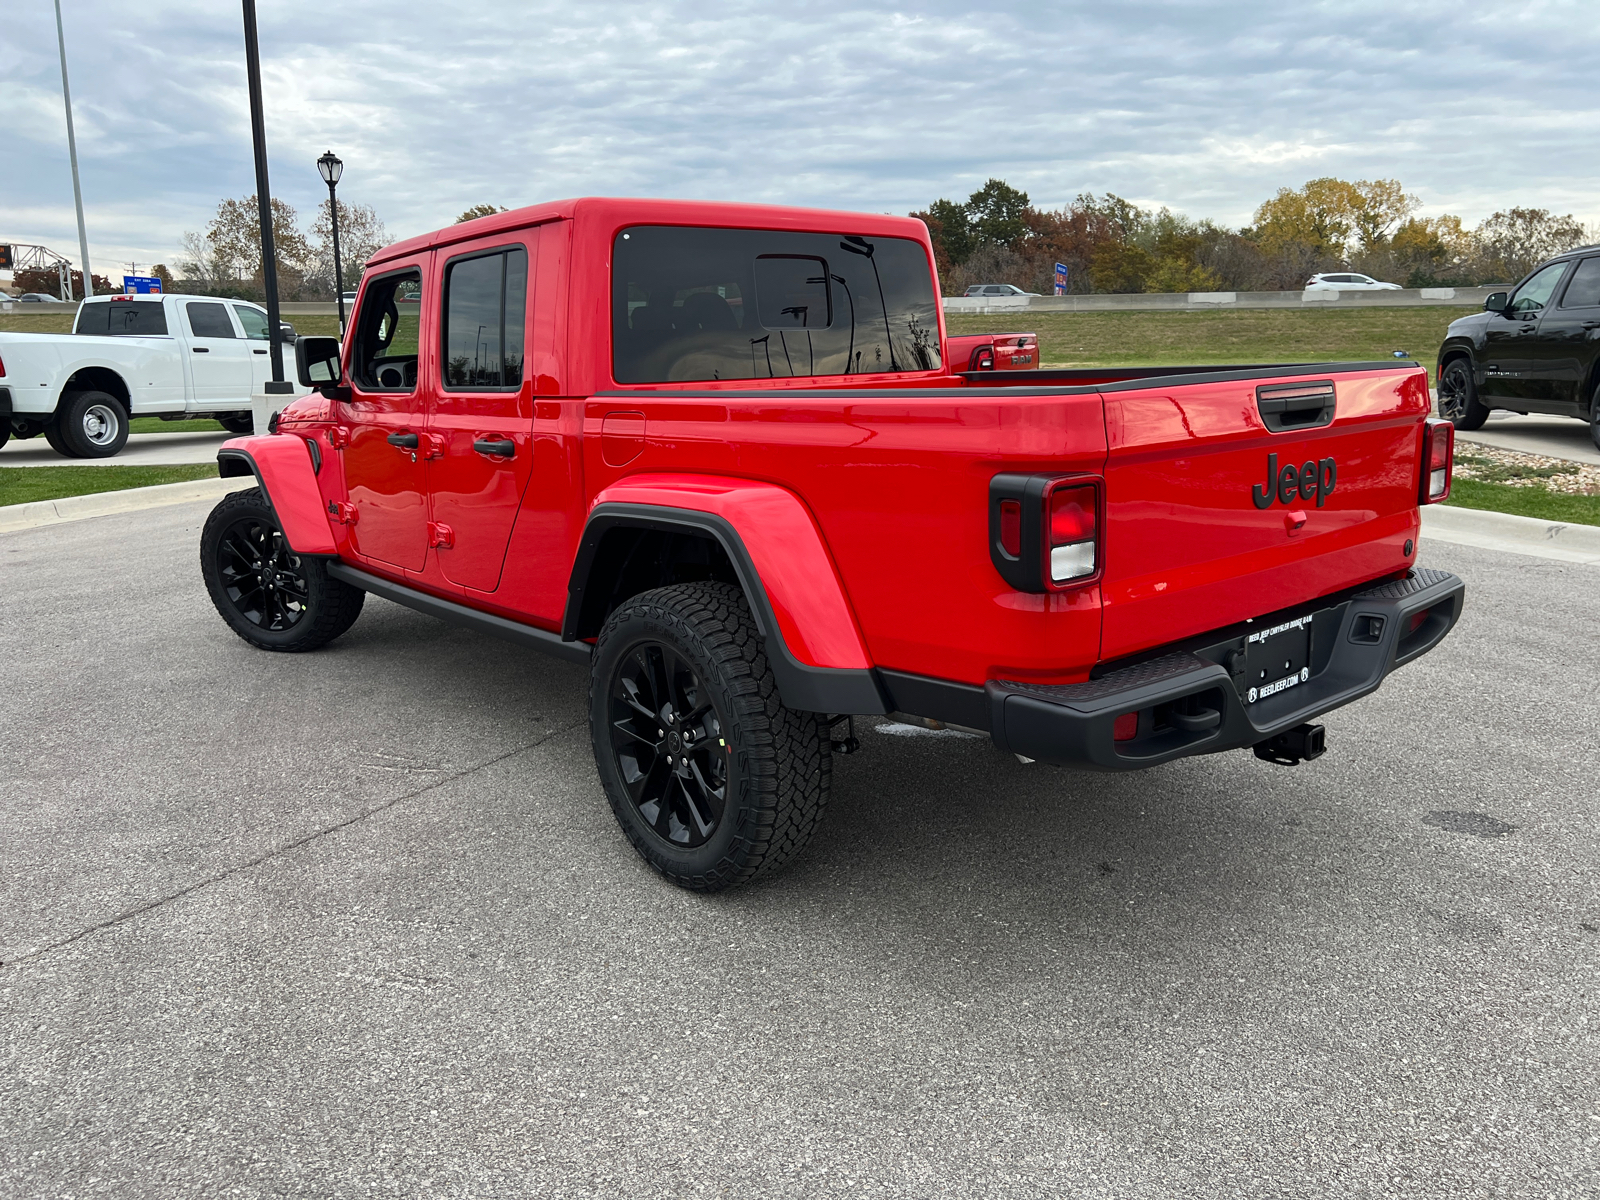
1458 396
1594 418
91 424
712 779
240 423
271 597
52 434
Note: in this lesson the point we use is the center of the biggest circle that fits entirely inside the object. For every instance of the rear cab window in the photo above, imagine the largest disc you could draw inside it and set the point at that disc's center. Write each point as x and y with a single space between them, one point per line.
123 318
694 304
209 320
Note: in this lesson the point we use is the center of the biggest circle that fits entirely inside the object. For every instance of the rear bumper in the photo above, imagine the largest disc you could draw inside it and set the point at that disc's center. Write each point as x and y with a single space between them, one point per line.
1193 702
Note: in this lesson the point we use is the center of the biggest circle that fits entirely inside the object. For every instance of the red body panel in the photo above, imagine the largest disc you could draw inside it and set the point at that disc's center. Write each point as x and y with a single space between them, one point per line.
1005 352
807 597
862 500
284 468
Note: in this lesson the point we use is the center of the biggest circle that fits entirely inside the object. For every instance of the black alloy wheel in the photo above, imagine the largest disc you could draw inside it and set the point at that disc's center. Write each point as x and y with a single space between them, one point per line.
270 596
261 577
1458 396
711 778
669 745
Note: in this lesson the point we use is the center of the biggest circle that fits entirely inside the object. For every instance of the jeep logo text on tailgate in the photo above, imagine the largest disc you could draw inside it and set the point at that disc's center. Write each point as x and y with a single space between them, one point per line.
1311 478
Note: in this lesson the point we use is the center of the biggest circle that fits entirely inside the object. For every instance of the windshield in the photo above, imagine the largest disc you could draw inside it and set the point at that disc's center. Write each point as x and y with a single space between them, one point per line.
703 304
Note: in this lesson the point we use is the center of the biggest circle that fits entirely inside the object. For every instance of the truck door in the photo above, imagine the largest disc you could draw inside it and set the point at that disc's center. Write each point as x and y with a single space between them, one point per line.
384 463
1509 343
219 357
254 323
1561 357
480 421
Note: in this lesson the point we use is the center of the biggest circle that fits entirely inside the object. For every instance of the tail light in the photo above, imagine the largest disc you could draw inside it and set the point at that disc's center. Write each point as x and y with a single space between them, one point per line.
2 368
1044 530
1438 460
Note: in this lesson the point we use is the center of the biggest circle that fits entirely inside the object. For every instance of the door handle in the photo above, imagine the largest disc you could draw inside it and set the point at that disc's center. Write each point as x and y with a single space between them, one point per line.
1591 324
258 352
499 447
406 441
201 349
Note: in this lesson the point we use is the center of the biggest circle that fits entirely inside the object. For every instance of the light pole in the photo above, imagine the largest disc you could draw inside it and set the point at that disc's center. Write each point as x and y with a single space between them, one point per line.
330 168
277 385
72 152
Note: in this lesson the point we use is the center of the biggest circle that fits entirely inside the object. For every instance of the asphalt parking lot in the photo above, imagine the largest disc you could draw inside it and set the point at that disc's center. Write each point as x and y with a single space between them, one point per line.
359 923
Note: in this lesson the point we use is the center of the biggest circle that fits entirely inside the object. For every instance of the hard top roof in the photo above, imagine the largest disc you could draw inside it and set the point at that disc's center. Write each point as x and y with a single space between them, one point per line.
621 211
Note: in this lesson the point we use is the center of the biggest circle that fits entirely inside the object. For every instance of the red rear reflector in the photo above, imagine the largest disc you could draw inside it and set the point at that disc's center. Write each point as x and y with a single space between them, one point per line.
1439 444
1011 527
2 367
1071 515
1126 727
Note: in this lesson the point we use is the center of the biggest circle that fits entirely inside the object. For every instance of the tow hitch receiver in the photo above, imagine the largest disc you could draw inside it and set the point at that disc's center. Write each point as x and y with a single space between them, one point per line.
1292 745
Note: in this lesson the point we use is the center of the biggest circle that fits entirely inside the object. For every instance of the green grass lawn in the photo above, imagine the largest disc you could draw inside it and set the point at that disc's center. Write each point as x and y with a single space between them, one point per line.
1525 501
157 425
22 485
1251 335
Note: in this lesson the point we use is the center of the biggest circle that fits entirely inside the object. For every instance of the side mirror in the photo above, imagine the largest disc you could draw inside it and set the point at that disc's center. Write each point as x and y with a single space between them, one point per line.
316 361
1497 302
286 333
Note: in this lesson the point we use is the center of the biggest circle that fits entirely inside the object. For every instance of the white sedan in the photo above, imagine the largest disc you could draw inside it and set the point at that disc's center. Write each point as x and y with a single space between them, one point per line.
1348 282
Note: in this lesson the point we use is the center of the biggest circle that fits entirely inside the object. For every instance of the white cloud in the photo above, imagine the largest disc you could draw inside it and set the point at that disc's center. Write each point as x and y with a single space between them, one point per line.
1208 108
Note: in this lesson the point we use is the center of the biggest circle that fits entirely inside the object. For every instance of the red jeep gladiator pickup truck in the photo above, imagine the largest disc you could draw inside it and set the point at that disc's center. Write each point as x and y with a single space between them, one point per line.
715 452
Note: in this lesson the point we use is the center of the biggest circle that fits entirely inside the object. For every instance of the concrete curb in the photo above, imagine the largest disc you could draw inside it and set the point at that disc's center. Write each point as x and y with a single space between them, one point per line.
1512 534
102 504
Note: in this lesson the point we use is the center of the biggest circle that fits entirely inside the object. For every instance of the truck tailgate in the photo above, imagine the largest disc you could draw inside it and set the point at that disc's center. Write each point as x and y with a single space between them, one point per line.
1195 537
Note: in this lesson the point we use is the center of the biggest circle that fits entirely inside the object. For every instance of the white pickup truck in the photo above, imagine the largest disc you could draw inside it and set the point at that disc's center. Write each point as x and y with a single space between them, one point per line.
135 356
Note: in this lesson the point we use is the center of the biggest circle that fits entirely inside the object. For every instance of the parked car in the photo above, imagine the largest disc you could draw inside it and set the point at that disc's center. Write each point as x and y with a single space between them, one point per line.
38 298
134 356
1535 348
1347 281
997 289
719 455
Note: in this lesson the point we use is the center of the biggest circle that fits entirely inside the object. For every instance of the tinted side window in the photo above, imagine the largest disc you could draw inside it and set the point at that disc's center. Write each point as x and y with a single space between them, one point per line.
485 299
1584 290
123 318
691 304
254 322
1535 294
208 320
384 357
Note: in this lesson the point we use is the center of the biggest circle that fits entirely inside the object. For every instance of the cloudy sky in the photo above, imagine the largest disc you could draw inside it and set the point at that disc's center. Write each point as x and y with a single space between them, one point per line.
1208 108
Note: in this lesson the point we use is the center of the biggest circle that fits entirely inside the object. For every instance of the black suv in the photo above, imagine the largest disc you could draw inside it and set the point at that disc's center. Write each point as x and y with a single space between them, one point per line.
1533 349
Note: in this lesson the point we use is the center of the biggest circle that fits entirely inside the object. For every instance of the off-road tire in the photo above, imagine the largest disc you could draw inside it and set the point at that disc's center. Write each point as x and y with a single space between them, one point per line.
92 424
1458 396
318 607
239 423
779 763
1594 418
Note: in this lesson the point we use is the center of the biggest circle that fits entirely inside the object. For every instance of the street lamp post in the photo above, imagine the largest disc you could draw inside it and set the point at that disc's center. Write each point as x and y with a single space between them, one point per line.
72 152
330 168
277 385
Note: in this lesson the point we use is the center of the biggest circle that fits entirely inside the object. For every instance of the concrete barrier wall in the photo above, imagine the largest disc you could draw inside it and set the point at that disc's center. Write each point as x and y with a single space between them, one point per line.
325 308
1211 301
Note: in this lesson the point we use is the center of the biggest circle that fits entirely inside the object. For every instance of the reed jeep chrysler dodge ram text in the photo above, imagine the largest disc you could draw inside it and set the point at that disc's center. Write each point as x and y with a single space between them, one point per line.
716 452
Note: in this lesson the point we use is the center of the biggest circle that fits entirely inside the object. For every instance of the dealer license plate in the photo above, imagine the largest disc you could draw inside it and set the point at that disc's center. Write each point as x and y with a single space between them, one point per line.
1277 658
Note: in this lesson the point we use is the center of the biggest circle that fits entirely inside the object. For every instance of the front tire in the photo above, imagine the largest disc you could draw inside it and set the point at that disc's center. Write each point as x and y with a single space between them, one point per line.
712 779
1458 396
91 425
271 597
1594 418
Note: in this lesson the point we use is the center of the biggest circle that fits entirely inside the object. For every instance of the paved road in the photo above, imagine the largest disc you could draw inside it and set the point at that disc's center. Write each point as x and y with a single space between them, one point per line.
358 923
1559 437
142 450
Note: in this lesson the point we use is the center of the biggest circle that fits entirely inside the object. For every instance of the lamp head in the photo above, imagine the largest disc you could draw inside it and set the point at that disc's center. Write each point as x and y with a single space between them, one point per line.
330 168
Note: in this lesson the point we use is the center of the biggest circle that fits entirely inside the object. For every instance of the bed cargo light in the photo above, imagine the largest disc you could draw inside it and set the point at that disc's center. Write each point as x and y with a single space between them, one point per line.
1439 444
